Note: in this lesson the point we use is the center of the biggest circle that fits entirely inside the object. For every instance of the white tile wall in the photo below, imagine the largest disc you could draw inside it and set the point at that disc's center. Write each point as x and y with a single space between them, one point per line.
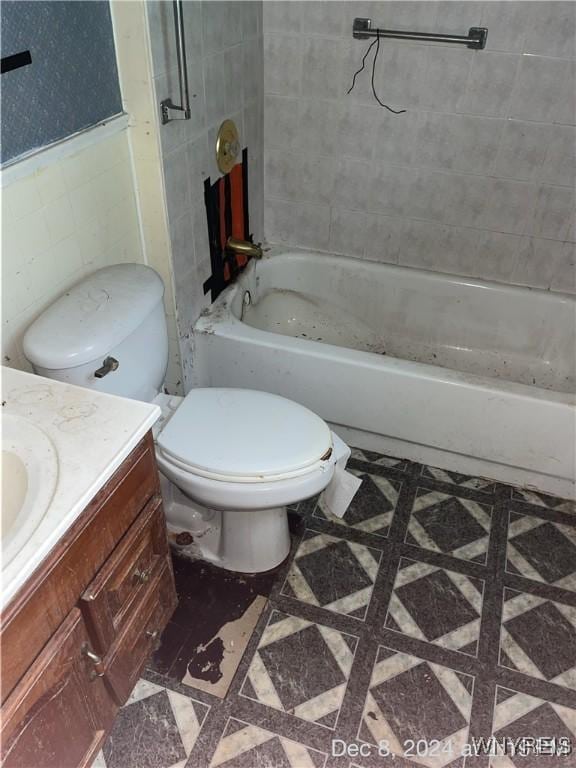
60 223
224 43
476 178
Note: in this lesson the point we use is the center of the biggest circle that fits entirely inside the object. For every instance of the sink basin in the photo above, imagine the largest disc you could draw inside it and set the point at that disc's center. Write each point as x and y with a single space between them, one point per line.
29 477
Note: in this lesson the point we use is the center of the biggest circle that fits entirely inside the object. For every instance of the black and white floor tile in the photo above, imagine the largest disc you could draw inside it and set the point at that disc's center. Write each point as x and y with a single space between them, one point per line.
445 523
411 700
336 574
436 605
244 745
542 550
156 728
372 508
433 624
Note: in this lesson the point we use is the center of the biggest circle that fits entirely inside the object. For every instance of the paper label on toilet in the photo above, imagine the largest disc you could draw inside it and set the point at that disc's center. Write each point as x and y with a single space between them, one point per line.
338 494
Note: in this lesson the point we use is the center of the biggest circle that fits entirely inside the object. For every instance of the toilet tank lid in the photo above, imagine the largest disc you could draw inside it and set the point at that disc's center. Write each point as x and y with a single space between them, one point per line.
93 317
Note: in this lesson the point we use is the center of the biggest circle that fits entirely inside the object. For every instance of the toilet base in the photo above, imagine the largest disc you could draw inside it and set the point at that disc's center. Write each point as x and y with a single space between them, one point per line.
248 541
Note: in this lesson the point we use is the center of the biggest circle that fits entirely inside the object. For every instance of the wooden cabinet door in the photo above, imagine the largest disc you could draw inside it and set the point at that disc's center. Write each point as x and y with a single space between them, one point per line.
57 715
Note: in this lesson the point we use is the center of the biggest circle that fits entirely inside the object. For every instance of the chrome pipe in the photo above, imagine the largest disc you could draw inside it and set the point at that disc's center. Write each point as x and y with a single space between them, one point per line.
167 104
476 37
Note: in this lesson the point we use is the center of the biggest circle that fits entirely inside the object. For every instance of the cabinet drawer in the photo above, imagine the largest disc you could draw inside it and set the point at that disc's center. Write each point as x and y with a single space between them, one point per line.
53 589
131 650
58 714
126 577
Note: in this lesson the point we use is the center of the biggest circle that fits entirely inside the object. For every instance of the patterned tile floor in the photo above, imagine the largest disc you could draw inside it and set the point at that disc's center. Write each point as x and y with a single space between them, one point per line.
440 612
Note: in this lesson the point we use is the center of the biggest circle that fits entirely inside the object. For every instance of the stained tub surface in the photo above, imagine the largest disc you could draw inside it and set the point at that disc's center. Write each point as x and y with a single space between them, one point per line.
474 369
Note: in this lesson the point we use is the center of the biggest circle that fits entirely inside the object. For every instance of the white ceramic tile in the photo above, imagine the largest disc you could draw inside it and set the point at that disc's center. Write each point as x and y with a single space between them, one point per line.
215 87
352 186
318 127
552 212
458 142
253 71
507 22
428 245
496 255
394 191
426 194
234 78
321 68
544 90
233 27
282 72
278 215
564 276
324 18
560 162
409 75
508 206
384 238
214 20
280 122
355 132
490 85
538 261
198 165
281 17
395 139
176 180
348 232
162 37
466 199
522 150
444 77
182 238
311 225
552 29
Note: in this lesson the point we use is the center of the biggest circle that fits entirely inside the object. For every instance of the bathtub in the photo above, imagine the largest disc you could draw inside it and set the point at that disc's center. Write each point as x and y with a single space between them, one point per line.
463 374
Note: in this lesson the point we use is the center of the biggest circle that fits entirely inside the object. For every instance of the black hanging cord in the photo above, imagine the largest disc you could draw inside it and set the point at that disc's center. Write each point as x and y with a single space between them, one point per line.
372 44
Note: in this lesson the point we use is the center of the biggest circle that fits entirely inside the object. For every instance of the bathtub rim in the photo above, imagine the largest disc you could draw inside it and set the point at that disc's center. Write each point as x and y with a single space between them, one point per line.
224 314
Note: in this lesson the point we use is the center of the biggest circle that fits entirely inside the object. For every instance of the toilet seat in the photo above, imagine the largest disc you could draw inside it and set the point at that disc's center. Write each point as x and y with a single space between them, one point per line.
244 436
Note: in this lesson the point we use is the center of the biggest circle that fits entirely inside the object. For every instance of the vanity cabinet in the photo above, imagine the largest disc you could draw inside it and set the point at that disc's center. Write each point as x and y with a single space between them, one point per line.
75 638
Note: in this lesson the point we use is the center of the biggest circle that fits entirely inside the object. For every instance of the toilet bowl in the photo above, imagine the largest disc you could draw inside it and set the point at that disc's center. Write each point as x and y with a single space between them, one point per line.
253 453
233 459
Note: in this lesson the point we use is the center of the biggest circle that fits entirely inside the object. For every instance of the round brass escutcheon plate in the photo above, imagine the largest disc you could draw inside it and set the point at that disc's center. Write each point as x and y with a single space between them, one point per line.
227 146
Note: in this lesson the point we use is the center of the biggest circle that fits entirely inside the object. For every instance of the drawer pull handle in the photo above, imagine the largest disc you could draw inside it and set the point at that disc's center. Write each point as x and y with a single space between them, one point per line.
142 577
152 635
94 658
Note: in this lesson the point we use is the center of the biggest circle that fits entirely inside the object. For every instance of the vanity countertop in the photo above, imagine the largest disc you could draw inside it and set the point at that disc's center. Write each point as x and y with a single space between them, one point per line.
91 432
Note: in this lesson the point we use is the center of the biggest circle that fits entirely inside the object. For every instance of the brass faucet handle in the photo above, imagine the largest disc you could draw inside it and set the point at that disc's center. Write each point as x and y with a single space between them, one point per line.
243 246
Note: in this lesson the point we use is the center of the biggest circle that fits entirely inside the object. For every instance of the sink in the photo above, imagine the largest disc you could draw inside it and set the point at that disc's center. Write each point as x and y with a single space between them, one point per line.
29 477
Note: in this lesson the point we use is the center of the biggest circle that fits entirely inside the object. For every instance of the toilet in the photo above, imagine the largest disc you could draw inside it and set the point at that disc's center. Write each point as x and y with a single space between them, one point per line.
231 459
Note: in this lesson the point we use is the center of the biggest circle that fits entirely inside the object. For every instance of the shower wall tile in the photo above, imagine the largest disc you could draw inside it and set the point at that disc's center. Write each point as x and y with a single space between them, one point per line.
224 46
476 177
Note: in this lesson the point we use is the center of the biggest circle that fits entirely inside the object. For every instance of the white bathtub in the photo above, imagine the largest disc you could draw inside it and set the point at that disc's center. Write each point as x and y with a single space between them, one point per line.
467 375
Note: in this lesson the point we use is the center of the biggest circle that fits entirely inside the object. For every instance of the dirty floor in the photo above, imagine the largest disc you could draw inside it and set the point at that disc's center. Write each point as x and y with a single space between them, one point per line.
441 611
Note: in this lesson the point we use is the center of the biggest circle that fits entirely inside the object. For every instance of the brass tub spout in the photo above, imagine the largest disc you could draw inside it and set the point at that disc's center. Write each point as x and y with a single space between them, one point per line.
243 246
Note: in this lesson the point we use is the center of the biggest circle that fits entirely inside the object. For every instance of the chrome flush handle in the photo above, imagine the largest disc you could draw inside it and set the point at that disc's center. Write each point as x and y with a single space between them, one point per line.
109 364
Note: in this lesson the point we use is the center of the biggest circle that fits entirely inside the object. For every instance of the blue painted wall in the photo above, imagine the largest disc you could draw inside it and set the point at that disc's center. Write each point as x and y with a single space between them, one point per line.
72 82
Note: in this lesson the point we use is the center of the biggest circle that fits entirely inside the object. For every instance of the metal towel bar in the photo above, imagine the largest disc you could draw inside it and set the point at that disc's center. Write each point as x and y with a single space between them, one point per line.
167 104
476 37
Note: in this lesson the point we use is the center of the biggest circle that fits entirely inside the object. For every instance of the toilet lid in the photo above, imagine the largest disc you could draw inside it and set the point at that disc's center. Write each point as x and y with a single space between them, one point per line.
243 433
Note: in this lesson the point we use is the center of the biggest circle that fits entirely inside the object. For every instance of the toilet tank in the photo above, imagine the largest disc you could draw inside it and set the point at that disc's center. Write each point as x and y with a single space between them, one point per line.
116 312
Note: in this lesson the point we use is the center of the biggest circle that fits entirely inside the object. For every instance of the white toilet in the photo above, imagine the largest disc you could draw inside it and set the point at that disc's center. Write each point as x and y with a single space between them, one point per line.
237 457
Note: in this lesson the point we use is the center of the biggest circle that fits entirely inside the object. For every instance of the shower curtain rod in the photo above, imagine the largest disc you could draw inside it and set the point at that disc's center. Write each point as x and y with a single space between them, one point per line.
476 37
